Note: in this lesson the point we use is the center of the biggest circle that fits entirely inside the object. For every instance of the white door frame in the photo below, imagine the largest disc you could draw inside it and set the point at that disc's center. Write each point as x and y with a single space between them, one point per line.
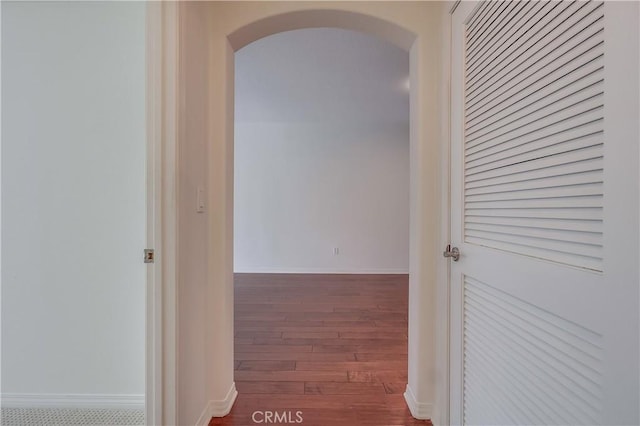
161 115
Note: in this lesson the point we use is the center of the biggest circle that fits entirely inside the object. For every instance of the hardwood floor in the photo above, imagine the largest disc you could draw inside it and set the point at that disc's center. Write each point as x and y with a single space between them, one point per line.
324 349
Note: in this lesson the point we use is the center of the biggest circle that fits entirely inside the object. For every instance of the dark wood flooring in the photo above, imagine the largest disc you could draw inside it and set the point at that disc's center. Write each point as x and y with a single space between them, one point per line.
329 350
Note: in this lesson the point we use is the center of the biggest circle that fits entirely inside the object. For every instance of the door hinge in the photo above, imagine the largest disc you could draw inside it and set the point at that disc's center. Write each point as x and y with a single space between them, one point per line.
149 256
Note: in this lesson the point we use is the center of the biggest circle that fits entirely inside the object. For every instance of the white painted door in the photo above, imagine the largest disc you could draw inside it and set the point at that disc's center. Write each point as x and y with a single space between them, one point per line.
545 213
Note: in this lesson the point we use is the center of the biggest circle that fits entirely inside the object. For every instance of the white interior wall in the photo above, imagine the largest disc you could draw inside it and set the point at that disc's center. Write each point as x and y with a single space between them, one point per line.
303 189
73 201
192 283
321 154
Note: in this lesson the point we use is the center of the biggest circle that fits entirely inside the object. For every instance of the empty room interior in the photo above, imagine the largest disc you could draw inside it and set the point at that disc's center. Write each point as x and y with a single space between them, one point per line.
321 229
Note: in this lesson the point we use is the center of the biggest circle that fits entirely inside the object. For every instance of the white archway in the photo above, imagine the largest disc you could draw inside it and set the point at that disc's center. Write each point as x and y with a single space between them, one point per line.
319 18
208 35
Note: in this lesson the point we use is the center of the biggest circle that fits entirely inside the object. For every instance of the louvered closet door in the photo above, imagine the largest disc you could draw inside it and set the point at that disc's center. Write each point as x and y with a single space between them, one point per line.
544 174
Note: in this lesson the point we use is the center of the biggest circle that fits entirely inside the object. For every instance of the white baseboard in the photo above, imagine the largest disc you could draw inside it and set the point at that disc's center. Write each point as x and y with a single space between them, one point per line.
44 400
218 408
435 417
322 271
419 410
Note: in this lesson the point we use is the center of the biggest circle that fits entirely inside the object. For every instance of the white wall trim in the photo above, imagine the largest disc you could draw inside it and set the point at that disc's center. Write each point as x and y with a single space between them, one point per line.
419 410
120 401
161 312
440 414
219 408
153 331
322 271
168 217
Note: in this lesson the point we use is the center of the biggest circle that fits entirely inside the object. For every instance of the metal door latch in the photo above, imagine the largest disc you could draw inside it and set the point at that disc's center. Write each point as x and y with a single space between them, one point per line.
149 256
452 252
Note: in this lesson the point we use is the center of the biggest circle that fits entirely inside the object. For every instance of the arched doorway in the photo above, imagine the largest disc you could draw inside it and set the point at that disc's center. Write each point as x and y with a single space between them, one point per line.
209 34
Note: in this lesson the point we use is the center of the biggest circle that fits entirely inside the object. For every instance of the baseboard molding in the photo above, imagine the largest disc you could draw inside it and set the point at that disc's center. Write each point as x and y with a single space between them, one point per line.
419 410
435 416
323 271
43 400
218 408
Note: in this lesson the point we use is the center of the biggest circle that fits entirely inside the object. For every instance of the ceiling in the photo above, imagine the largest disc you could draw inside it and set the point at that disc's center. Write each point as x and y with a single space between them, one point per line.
322 74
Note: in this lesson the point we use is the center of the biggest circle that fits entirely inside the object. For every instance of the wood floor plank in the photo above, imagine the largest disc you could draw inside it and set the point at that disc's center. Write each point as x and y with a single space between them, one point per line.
326 388
329 342
392 324
322 316
395 349
319 328
294 356
266 365
309 335
351 366
291 376
386 376
241 324
284 308
263 387
343 323
251 334
273 348
377 334
330 347
379 356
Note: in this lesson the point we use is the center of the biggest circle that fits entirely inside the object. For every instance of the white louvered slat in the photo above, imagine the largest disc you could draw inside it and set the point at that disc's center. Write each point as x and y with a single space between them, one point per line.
549 128
583 154
530 373
527 231
585 190
550 244
569 374
500 30
494 410
590 176
512 66
513 37
569 202
567 35
533 151
593 226
532 141
528 40
515 399
526 365
534 94
594 214
536 252
549 409
533 120
538 111
567 170
482 19
541 73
